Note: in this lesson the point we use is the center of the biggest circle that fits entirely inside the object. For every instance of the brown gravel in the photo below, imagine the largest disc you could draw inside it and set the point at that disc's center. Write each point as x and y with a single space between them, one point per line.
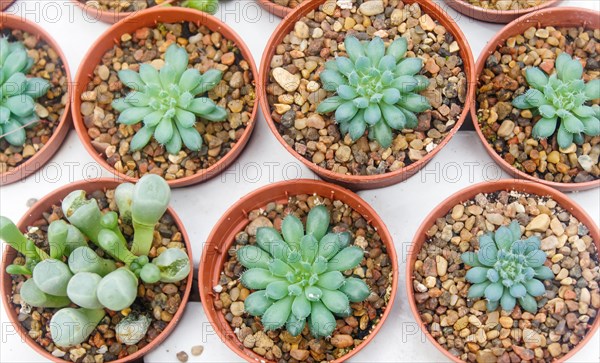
124 5
158 301
505 4
508 129
49 66
207 50
464 327
279 345
318 37
287 3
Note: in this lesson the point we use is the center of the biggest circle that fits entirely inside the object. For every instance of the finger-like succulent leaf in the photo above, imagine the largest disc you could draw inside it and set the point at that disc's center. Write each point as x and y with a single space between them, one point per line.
336 301
69 327
52 277
33 296
82 290
346 259
528 303
317 222
477 275
252 257
117 290
292 230
257 303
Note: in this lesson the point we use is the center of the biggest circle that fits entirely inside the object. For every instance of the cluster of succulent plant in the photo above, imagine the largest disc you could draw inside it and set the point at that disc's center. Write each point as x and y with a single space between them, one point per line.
375 87
165 101
507 269
18 92
562 95
73 273
298 276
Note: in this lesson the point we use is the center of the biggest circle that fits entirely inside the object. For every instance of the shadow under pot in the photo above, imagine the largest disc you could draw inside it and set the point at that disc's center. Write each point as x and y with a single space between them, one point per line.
366 110
500 11
174 96
35 107
506 271
106 273
325 287
536 108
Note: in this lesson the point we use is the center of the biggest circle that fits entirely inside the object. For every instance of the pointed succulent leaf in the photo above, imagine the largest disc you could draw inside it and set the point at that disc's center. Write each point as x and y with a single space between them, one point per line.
280 268
353 48
398 48
470 258
543 273
382 133
494 291
477 290
294 325
356 289
313 293
518 291
504 237
346 259
253 257
536 258
535 287
508 302
528 303
277 290
277 314
258 278
292 230
301 307
477 275
592 89
331 280
336 301
321 321
536 78
317 222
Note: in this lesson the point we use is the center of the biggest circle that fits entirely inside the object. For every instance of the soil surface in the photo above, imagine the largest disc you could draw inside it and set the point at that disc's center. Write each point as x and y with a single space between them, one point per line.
279 345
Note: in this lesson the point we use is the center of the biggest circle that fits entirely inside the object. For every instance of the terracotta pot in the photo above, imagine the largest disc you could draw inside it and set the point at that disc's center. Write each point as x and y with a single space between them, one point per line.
495 16
469 193
34 214
108 16
360 182
64 124
275 9
548 17
149 18
4 4
235 220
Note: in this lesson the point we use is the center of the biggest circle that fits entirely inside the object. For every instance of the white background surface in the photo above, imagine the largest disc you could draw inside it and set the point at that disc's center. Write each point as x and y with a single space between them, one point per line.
264 161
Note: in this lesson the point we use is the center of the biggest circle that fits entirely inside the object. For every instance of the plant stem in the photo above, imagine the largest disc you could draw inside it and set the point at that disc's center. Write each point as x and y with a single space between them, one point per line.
142 239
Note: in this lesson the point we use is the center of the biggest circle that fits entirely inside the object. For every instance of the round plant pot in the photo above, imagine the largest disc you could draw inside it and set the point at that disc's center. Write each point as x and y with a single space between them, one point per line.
42 156
33 215
469 193
4 4
222 238
150 18
275 9
361 182
555 17
108 16
495 16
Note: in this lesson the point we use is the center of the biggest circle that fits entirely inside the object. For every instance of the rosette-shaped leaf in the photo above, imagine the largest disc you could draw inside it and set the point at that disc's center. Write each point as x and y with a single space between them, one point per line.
507 269
18 92
166 102
563 96
375 87
297 275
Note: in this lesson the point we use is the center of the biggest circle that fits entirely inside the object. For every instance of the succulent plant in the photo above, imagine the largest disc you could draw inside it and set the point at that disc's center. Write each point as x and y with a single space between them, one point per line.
17 92
69 326
132 329
507 269
375 87
88 280
166 102
299 276
207 6
562 95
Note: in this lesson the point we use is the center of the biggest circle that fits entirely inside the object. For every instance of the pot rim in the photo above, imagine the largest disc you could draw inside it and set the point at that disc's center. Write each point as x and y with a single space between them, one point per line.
357 180
43 155
469 193
52 198
495 16
275 9
113 16
540 17
5 4
143 19
257 199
